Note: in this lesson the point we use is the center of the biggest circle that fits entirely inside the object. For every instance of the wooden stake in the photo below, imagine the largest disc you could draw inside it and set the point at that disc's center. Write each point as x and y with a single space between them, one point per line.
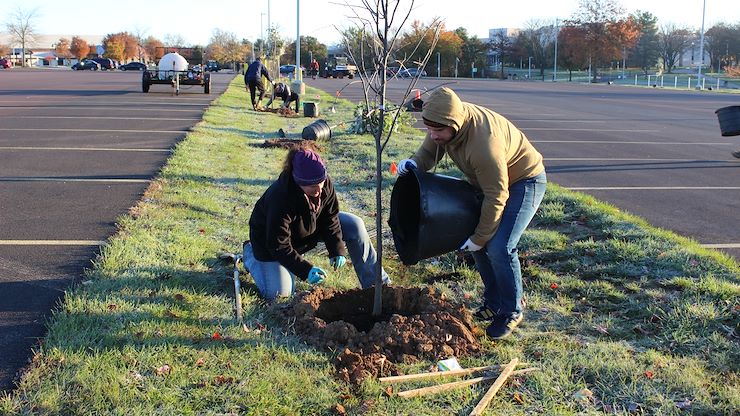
483 403
437 374
454 385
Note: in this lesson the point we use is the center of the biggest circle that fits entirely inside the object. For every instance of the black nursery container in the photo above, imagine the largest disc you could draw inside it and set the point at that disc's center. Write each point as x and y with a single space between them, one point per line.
431 215
318 130
729 120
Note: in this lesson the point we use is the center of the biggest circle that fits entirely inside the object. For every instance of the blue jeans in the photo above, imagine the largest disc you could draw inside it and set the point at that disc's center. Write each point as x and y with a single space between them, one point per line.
498 261
274 280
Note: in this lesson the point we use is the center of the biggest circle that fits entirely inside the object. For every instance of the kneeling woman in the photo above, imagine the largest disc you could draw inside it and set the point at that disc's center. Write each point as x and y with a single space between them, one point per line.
292 216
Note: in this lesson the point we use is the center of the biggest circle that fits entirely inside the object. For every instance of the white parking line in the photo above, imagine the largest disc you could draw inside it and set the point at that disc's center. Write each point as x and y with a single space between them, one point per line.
721 245
51 243
116 104
608 159
625 142
600 130
90 149
62 179
88 109
100 130
110 118
652 188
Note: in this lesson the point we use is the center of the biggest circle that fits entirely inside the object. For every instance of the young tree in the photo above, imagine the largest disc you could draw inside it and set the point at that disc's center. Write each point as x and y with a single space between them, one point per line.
571 55
722 43
21 27
646 52
79 48
379 19
673 40
62 48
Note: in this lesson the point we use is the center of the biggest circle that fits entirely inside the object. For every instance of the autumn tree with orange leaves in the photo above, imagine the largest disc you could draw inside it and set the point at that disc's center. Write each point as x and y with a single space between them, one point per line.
121 46
79 48
604 30
61 48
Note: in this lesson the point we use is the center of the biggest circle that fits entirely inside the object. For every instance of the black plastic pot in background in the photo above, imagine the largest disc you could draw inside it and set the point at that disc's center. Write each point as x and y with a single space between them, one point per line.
431 215
318 130
729 120
310 109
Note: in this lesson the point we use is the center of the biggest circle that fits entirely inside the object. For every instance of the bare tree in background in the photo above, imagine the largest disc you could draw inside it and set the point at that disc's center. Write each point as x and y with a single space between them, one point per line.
21 27
379 23
673 40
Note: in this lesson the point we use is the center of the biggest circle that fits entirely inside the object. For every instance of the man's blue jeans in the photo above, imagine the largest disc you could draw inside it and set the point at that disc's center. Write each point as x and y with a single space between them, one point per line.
498 261
274 280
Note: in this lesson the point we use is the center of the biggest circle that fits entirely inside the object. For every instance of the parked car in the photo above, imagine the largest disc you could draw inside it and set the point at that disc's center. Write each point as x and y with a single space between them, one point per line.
132 66
411 73
85 65
290 69
104 63
5 63
213 66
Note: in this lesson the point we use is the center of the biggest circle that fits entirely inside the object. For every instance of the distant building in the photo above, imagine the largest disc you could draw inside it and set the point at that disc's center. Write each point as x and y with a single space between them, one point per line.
41 51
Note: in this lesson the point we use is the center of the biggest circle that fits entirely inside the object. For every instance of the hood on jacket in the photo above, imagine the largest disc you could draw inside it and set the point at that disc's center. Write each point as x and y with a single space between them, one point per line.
444 107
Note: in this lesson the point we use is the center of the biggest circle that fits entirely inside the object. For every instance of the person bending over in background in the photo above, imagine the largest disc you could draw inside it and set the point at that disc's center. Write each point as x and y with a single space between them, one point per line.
281 90
496 158
296 212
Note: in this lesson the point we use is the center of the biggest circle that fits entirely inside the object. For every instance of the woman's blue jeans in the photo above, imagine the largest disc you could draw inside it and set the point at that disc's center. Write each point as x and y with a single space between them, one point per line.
498 261
274 280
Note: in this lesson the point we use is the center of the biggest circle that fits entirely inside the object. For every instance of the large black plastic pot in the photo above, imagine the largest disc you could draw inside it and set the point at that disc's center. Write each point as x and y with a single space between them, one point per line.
729 120
318 130
431 215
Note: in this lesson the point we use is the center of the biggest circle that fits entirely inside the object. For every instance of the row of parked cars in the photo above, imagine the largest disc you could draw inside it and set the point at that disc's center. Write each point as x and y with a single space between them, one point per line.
97 64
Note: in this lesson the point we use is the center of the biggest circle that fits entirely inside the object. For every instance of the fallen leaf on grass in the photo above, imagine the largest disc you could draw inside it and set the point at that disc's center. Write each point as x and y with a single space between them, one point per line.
553 285
394 168
216 336
221 379
179 297
163 370
601 329
112 307
388 391
339 409
649 374
583 395
518 398
200 362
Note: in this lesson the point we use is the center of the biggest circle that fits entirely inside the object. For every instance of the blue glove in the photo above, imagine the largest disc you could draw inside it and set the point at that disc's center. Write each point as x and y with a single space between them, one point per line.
337 262
316 276
405 166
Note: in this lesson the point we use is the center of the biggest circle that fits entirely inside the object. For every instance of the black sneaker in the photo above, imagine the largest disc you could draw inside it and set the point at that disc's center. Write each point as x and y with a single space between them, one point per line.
503 325
484 313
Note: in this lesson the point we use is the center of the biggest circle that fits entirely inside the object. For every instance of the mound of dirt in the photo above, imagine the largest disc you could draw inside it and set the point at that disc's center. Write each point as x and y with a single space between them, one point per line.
416 324
285 112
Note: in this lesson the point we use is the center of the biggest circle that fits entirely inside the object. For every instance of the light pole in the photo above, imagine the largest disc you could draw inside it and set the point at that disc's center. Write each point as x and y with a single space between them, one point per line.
457 60
438 62
701 41
555 65
262 34
529 68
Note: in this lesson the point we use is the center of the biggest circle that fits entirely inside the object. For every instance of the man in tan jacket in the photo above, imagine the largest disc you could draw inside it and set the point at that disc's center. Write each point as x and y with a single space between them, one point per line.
496 157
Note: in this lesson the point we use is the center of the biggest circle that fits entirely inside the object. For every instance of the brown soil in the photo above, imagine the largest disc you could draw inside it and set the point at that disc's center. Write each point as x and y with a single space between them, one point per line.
416 324
285 112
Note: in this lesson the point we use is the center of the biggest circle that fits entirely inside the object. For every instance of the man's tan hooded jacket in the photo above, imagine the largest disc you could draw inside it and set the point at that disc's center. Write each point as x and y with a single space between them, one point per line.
487 148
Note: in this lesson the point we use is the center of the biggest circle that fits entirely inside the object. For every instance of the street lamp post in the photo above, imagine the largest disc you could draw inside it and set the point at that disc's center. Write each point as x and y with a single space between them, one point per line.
457 60
555 64
438 64
701 43
529 68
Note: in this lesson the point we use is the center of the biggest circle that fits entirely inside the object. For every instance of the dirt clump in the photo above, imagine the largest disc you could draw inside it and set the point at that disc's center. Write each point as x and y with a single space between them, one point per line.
417 324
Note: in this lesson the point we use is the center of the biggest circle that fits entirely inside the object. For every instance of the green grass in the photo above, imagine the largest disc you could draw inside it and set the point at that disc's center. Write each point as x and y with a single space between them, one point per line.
645 320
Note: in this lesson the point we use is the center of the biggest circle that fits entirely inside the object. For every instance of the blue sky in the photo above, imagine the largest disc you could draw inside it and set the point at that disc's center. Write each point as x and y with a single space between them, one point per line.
195 20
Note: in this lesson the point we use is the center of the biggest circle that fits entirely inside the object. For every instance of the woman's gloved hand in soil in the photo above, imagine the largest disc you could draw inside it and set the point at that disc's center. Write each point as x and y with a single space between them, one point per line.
316 276
337 262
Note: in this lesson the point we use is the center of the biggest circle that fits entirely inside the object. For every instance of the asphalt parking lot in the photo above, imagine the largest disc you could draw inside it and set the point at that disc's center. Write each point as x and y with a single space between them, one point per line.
652 152
77 150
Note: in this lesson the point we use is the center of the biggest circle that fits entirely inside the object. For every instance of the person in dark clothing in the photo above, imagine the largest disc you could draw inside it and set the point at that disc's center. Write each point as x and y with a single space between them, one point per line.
296 212
253 80
281 90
